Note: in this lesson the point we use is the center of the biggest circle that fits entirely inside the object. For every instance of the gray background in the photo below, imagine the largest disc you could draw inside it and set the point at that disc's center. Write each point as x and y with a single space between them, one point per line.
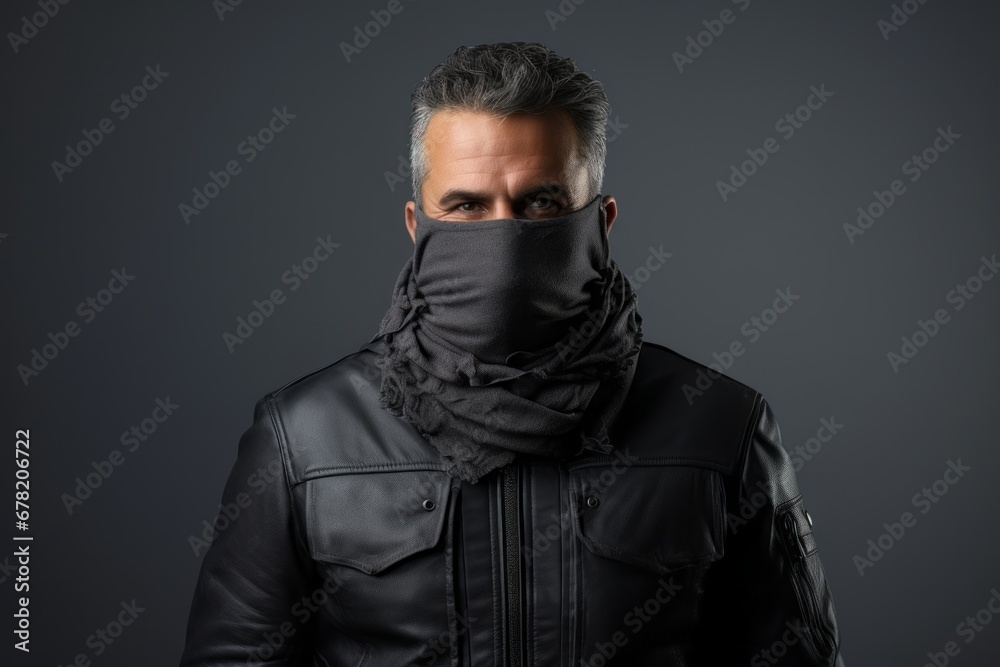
325 174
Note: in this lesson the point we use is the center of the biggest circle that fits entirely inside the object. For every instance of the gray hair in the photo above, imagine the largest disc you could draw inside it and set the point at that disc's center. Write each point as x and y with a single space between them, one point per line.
512 77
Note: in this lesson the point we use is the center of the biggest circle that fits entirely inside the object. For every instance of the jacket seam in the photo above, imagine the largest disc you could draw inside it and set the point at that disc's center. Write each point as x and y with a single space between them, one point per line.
279 433
300 531
783 507
314 371
748 433
331 471
651 461
378 564
698 364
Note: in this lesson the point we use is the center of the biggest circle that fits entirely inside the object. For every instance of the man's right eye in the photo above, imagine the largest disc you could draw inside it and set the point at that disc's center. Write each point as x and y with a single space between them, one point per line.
542 201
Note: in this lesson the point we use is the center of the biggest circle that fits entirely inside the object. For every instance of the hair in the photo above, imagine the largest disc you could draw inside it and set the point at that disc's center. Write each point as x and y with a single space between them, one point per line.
506 78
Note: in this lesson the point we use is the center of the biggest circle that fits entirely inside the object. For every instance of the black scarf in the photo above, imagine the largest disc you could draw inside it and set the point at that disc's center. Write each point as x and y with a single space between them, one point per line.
509 336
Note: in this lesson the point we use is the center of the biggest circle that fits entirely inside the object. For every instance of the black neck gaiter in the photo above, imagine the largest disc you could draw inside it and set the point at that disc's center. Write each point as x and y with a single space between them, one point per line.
509 336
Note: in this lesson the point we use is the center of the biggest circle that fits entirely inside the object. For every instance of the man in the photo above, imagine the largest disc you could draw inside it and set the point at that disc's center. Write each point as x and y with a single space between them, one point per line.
506 474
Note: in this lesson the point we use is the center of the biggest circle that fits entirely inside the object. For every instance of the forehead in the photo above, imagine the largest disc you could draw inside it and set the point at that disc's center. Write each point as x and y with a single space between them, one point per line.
461 141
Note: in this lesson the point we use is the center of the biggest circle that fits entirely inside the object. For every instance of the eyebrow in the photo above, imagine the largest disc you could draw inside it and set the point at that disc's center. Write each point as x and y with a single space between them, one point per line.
455 194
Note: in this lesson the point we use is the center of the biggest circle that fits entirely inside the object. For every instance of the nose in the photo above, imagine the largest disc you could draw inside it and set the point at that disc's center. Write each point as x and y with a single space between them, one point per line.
503 210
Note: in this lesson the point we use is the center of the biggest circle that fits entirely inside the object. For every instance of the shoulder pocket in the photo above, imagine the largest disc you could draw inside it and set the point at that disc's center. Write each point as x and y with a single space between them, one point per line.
370 521
662 518
808 577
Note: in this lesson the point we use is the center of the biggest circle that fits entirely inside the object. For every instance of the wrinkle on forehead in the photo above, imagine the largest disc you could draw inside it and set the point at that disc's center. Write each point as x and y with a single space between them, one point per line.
479 151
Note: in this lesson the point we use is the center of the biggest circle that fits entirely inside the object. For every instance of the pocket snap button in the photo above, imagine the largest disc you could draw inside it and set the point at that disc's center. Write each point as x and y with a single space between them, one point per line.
428 504
593 501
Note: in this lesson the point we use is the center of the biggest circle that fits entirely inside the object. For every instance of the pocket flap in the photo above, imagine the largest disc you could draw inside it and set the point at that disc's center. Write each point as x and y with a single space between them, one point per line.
796 530
663 518
370 521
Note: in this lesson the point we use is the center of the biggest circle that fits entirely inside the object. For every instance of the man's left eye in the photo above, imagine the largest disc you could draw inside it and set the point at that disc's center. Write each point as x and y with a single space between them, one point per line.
543 202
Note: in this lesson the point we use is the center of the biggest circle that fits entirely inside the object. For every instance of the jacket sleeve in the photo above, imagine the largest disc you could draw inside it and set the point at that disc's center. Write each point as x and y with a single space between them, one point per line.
771 601
247 605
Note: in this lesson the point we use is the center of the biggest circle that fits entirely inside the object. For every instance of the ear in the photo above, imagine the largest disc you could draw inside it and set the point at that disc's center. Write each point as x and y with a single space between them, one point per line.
611 211
411 219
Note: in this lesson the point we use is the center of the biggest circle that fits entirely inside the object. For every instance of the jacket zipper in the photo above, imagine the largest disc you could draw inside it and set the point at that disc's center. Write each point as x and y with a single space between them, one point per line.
512 561
823 641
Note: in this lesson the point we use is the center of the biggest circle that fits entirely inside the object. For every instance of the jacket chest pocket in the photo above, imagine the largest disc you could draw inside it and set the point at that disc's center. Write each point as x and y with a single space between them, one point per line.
646 538
660 518
377 539
370 522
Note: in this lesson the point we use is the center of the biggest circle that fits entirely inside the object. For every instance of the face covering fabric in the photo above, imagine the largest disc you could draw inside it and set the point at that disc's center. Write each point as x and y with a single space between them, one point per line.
509 335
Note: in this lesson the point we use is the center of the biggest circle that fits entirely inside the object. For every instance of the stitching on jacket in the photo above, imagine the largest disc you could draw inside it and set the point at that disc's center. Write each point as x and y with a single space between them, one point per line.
649 461
494 550
279 432
779 509
719 490
330 471
819 635
318 370
388 559
748 432
451 576
379 563
631 557
690 558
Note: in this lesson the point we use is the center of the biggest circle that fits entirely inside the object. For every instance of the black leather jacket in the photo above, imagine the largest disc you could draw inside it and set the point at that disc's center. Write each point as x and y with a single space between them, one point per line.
349 546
